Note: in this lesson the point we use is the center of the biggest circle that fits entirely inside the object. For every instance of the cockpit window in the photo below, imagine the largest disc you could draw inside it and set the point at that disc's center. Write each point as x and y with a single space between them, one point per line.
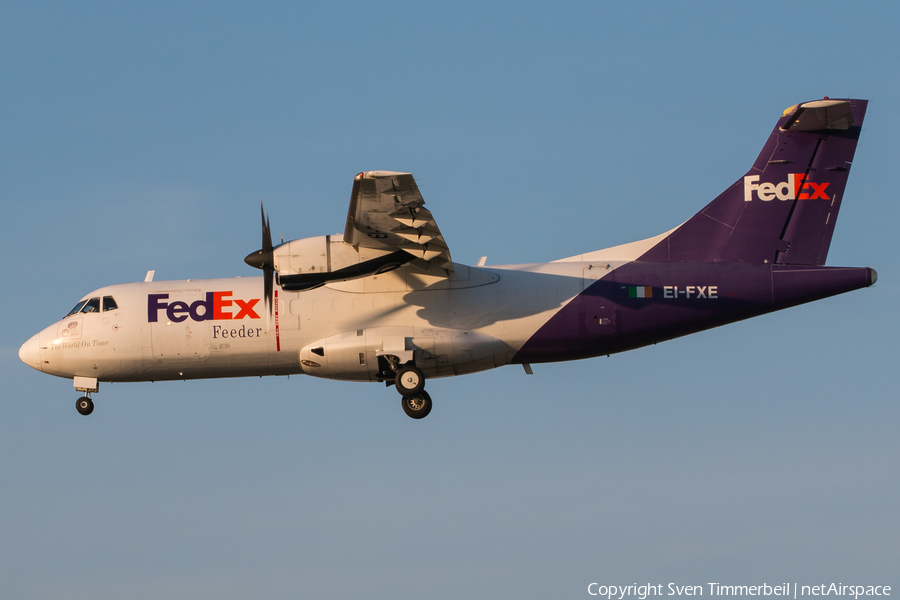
77 308
91 306
109 303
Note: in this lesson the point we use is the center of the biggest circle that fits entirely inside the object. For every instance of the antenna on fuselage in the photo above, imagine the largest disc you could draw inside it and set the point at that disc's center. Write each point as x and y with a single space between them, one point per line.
149 276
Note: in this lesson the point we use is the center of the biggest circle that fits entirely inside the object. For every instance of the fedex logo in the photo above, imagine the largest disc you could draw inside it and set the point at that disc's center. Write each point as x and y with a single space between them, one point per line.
217 306
795 188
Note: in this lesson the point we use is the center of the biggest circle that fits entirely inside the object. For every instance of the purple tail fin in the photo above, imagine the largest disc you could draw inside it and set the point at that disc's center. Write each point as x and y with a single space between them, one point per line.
784 209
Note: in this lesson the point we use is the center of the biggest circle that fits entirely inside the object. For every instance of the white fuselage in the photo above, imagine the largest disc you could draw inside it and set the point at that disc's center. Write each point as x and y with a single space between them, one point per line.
475 319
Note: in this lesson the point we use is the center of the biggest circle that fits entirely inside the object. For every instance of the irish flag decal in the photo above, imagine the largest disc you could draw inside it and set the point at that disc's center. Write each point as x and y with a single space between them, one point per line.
640 291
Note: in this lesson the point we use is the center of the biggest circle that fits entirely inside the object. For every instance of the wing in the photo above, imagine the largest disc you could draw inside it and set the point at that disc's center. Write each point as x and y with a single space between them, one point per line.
387 213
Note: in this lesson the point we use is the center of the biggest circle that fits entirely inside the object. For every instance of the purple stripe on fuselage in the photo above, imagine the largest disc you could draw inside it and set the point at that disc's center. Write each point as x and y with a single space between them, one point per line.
685 298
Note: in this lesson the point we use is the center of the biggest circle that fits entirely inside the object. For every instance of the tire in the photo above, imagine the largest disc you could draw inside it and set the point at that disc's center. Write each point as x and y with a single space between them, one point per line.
84 405
409 380
417 406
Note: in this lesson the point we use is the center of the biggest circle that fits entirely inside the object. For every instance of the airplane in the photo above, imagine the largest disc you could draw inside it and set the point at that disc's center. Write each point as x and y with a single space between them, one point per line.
384 302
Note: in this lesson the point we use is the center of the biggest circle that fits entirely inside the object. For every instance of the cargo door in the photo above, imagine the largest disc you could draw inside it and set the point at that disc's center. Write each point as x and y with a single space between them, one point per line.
185 340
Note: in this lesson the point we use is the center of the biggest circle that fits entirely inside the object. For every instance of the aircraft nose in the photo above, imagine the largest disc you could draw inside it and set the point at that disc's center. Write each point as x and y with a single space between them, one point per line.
30 352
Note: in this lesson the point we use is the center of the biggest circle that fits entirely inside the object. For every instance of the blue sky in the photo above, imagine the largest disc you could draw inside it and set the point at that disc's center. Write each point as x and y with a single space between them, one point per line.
142 137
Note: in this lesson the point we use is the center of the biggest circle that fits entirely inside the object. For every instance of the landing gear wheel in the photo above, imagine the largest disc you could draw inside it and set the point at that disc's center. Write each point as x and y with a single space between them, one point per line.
84 405
418 405
409 380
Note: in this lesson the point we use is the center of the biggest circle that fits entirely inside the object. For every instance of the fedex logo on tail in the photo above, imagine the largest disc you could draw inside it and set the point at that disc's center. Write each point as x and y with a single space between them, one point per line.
216 306
795 188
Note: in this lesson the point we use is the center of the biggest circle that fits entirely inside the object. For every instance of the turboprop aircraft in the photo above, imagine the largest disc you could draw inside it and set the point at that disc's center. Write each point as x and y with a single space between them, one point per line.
383 301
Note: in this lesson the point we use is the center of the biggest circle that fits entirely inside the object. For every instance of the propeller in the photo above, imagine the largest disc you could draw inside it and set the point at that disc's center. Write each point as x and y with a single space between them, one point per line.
263 259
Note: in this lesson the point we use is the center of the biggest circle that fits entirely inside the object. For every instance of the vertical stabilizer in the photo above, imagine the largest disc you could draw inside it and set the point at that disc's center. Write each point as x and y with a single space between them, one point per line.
784 209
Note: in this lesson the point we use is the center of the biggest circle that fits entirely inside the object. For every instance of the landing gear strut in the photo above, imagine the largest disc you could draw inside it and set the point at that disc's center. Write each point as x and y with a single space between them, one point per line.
84 405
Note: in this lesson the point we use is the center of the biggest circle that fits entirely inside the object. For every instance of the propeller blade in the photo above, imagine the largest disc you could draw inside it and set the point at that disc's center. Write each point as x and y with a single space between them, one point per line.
267 230
268 285
269 268
263 258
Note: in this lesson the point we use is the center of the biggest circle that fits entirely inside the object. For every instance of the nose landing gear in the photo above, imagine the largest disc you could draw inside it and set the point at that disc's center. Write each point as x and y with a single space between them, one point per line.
84 405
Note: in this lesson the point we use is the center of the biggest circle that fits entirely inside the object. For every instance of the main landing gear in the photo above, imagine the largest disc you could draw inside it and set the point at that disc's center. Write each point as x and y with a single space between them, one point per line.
84 405
410 382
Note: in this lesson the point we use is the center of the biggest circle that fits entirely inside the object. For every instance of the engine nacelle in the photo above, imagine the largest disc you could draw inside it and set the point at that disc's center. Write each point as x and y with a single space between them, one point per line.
311 262
363 355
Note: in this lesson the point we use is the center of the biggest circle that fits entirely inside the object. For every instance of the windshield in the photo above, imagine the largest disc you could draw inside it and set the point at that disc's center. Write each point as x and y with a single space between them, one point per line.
77 308
91 306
